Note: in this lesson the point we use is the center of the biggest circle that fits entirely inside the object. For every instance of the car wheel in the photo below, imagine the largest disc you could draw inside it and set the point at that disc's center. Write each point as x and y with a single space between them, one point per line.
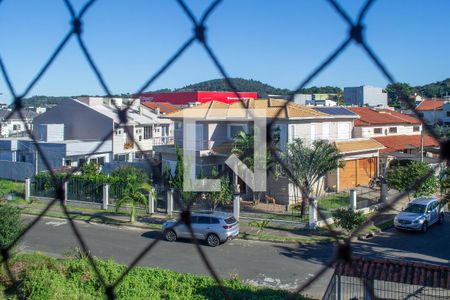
424 227
213 240
441 219
170 235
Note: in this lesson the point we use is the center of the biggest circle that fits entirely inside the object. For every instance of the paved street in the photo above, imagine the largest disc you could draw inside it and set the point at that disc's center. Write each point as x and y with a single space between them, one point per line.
271 264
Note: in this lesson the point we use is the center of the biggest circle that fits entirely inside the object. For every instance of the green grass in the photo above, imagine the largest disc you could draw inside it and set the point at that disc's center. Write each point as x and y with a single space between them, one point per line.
43 277
9 186
334 201
309 240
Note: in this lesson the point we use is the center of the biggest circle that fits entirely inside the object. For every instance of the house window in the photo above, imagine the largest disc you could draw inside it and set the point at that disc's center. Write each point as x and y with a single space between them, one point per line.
68 162
416 128
101 160
16 127
120 157
235 129
378 130
448 113
118 131
392 129
148 132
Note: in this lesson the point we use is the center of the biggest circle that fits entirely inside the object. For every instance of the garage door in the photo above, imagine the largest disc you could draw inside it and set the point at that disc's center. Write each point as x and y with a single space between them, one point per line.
357 172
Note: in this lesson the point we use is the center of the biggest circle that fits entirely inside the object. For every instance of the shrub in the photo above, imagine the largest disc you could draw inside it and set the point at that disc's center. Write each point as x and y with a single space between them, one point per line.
49 278
10 224
348 219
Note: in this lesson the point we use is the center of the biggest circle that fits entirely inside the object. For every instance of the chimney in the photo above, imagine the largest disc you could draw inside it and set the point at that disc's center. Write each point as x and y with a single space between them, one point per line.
157 111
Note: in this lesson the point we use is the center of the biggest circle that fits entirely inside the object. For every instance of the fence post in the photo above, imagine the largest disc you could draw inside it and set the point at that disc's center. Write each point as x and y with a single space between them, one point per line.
236 203
65 190
313 214
105 202
384 190
151 203
170 202
353 199
27 188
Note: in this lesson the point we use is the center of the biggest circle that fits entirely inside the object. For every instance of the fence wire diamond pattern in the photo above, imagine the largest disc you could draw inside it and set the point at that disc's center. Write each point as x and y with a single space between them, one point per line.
356 34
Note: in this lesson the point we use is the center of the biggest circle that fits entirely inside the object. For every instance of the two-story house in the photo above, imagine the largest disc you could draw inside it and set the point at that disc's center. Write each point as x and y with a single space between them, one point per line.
94 118
401 135
217 125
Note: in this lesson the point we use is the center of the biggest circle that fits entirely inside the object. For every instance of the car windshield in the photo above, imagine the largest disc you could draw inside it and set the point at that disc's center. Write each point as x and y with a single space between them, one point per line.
415 208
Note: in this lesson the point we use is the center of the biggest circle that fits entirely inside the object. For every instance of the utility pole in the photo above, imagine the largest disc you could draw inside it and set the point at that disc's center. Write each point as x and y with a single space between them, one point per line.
421 145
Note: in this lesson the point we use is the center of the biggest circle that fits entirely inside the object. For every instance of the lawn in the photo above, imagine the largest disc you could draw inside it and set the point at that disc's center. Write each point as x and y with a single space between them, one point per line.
43 277
12 187
334 201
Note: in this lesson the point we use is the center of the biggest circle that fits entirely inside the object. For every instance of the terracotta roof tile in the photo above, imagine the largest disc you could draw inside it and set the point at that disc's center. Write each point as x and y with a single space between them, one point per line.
396 271
403 142
358 145
164 107
273 108
370 116
430 105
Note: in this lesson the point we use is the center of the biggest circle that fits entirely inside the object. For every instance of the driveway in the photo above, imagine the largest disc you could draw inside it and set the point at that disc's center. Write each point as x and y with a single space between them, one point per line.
285 266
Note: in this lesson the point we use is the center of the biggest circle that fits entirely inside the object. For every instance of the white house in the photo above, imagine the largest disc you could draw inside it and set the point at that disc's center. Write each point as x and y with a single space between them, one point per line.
95 118
432 111
217 126
375 122
15 125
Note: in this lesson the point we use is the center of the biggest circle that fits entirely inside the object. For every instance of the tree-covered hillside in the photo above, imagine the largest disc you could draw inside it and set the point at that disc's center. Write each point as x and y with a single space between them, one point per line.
242 85
41 101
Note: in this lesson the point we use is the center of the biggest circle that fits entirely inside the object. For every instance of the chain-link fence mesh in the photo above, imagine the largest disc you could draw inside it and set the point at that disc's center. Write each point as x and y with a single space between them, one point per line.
356 34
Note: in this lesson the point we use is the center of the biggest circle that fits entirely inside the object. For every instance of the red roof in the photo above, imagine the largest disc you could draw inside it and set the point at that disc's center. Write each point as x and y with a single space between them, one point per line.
164 107
370 116
403 272
403 142
430 105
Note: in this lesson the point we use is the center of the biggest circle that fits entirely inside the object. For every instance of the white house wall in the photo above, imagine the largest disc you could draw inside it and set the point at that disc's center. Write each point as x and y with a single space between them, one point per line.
368 131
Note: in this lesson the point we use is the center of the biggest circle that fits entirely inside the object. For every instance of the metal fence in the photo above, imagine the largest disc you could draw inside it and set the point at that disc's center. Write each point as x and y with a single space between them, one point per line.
356 34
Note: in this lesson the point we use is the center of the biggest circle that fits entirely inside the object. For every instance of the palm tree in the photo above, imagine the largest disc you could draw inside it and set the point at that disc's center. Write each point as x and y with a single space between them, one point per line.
243 148
308 164
132 195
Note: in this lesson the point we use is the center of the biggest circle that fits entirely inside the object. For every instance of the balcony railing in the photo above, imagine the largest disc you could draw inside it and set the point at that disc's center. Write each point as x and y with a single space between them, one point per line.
164 140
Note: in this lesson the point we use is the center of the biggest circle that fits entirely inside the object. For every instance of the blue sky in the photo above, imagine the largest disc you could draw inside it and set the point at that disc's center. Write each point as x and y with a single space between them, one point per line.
277 42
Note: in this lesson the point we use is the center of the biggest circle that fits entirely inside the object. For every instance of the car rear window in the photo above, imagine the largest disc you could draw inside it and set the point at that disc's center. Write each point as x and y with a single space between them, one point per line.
230 220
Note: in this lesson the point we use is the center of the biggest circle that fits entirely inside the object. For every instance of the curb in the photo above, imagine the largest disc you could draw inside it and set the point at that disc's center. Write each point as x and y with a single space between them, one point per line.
153 229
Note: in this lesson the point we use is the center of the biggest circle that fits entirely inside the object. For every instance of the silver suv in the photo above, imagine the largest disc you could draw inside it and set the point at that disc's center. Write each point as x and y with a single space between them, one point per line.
420 214
213 227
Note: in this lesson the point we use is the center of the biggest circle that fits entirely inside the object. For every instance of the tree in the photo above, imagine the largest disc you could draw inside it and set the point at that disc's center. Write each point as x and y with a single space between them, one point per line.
224 195
90 169
398 93
243 148
404 177
178 179
10 224
123 172
308 164
133 196
348 219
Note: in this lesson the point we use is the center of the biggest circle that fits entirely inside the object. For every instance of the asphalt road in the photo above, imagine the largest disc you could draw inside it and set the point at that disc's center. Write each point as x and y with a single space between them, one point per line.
284 266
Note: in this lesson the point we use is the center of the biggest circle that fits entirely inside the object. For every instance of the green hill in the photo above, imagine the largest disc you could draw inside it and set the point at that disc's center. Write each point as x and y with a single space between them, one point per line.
242 85
435 89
